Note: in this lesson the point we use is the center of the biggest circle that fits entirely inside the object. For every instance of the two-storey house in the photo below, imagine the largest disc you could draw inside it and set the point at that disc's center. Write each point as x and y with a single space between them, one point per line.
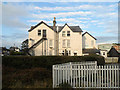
55 40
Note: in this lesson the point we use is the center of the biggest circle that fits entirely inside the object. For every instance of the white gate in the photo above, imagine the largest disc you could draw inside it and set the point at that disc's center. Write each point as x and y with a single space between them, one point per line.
86 75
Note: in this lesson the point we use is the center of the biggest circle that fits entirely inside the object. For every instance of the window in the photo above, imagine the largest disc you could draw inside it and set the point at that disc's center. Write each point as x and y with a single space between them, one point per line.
68 33
63 33
63 52
50 43
44 33
92 43
103 53
68 43
39 32
69 52
86 45
66 53
75 54
50 52
63 43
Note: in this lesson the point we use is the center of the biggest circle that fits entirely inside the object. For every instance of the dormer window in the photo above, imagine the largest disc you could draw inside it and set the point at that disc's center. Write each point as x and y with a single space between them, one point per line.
39 32
63 33
68 33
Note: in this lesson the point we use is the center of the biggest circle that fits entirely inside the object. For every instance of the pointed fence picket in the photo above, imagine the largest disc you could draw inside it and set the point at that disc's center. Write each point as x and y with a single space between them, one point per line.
86 75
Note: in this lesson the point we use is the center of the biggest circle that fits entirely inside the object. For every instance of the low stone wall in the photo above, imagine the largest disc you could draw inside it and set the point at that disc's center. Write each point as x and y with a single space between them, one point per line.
111 60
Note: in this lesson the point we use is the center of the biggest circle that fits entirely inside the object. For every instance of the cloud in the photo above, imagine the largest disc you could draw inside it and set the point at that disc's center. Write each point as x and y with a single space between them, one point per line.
60 1
12 14
80 7
15 38
111 27
107 39
61 14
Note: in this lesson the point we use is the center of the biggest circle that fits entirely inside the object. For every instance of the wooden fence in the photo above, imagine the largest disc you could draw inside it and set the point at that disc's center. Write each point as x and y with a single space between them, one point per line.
86 75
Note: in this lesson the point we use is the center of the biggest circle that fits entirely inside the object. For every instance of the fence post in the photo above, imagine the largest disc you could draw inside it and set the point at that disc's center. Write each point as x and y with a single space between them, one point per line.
105 75
71 72
58 75
115 76
110 75
79 74
102 76
53 75
76 75
95 76
118 76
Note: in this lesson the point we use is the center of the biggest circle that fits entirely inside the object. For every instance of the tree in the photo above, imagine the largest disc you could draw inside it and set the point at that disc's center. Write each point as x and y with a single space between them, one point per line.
24 46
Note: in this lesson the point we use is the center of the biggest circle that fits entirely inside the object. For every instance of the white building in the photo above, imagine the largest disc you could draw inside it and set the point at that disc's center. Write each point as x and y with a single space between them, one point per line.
89 44
58 40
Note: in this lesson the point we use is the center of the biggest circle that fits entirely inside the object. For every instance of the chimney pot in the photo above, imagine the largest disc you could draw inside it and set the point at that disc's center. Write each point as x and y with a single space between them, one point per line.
54 22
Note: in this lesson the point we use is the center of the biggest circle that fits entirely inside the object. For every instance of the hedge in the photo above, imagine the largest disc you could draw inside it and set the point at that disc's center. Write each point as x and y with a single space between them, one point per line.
21 62
35 71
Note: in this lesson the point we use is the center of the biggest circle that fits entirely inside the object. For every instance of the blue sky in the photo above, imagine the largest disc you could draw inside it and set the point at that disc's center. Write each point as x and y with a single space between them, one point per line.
98 18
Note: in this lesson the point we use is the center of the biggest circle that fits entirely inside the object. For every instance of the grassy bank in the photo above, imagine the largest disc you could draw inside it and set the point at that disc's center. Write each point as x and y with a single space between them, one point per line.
35 72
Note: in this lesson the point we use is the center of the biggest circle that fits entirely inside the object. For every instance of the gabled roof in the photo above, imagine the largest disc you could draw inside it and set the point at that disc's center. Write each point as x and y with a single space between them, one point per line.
113 52
38 25
89 34
37 43
73 28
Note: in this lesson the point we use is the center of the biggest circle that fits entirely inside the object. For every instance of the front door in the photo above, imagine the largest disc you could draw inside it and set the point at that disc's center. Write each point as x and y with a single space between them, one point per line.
44 33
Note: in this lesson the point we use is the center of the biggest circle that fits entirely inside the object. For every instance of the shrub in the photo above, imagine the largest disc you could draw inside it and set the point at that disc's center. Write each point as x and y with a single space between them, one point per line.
15 77
65 85
22 62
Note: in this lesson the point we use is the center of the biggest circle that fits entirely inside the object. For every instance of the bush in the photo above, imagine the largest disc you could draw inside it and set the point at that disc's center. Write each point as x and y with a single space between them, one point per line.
22 62
36 71
16 53
65 85
20 78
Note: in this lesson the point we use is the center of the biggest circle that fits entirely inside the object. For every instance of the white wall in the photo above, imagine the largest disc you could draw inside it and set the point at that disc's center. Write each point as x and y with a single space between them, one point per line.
103 53
87 41
75 41
34 35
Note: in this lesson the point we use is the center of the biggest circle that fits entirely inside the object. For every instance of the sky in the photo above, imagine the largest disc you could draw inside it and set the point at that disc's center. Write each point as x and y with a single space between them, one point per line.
100 19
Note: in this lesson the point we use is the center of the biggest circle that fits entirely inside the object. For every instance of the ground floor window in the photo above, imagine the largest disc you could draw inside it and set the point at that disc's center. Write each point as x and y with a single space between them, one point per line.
75 54
63 53
50 52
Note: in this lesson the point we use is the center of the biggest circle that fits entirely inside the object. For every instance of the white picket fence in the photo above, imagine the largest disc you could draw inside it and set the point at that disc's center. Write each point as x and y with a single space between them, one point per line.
86 75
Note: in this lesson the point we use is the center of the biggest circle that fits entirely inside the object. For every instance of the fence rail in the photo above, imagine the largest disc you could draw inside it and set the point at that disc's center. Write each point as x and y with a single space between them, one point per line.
86 75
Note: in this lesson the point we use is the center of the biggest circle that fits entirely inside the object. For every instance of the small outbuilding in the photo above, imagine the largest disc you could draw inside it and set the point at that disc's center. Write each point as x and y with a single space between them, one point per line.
113 52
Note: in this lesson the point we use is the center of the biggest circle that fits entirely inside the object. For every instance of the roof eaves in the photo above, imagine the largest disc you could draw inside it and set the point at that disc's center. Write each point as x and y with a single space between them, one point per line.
90 35
38 25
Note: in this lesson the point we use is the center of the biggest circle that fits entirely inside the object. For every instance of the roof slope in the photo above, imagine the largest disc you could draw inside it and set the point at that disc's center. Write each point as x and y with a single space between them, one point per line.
113 52
89 34
38 25
73 28
91 51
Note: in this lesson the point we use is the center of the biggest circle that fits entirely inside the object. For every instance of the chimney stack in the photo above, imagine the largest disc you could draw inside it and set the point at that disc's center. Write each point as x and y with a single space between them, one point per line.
54 22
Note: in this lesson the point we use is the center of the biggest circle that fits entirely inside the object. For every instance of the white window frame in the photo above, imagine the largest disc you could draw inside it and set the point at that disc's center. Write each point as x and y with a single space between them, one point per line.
68 43
39 32
68 33
92 43
63 33
50 43
50 52
63 43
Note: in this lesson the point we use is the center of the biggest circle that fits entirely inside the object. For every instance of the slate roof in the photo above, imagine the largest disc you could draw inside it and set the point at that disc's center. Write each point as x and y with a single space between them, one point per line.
89 34
91 51
73 28
113 52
